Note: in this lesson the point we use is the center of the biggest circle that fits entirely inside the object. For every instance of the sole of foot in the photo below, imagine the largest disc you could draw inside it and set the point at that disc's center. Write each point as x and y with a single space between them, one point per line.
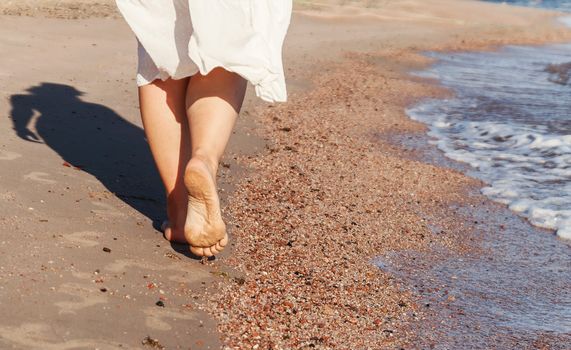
204 228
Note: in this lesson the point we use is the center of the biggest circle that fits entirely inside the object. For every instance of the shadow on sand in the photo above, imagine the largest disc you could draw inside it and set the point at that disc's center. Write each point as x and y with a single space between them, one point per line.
94 138
97 140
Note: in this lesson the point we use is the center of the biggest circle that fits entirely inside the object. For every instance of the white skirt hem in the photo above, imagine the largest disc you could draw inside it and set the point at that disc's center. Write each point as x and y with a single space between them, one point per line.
181 38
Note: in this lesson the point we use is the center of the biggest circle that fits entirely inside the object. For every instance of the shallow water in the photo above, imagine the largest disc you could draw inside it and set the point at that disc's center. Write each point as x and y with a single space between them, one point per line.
513 293
509 123
559 5
510 120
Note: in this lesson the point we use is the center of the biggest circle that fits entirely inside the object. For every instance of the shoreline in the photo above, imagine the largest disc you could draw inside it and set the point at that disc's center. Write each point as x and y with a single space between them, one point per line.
457 229
302 242
480 65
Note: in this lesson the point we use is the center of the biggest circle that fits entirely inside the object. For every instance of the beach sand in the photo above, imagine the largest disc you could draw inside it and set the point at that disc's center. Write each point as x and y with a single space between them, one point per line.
313 190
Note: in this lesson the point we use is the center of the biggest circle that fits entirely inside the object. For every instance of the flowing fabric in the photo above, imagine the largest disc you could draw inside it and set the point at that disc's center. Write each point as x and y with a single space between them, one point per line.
179 38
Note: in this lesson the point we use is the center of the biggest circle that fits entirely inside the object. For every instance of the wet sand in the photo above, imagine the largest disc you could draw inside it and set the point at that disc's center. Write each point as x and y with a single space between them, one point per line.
314 190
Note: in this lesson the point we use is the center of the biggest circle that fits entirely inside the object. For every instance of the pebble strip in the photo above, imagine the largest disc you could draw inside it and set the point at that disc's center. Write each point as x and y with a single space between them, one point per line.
318 206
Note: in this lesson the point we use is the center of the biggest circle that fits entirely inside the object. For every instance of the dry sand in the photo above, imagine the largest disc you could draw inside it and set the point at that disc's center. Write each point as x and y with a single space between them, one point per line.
64 9
312 189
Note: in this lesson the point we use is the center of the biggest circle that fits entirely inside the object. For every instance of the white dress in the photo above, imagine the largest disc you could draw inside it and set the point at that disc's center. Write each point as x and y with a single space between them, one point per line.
179 38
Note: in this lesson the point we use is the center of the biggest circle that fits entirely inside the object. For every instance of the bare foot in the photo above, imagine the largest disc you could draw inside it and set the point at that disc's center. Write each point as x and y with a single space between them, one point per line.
173 227
173 235
204 229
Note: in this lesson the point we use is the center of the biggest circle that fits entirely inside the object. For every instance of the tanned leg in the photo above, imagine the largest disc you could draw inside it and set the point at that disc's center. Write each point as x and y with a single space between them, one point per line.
213 102
163 111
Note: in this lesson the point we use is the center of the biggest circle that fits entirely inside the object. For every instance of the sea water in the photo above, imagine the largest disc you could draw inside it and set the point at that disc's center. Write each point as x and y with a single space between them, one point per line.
559 5
510 120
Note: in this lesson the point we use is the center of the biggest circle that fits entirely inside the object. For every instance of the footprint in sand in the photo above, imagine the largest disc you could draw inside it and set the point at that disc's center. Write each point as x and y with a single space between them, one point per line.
88 297
7 155
39 177
128 264
41 336
106 210
82 275
82 238
38 336
7 196
155 318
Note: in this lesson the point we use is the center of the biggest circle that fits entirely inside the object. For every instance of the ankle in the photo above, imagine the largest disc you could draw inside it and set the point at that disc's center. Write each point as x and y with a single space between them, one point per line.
210 162
177 204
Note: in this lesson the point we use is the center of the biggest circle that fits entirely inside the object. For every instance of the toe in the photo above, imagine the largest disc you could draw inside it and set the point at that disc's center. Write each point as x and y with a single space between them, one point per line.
224 241
214 250
207 252
198 251
167 232
218 247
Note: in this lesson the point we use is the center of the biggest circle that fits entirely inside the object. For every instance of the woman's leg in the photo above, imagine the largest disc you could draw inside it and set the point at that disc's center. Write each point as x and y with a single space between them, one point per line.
163 111
213 102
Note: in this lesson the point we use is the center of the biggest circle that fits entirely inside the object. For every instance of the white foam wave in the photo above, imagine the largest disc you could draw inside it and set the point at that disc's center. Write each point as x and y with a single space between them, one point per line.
511 123
565 20
525 168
